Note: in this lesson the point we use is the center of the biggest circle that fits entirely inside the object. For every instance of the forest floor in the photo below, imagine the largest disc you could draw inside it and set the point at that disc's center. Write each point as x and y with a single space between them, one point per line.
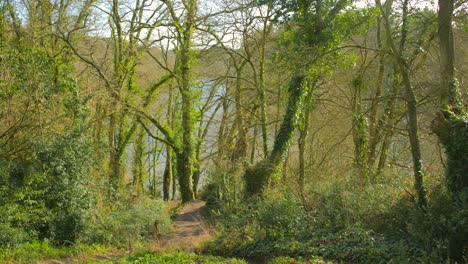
189 232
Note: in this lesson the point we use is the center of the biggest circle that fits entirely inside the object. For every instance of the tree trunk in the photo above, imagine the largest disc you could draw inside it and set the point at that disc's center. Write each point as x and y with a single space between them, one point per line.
374 133
411 103
302 140
451 127
447 50
240 151
167 176
258 177
253 149
114 157
360 136
174 178
138 169
388 121
185 158
263 109
196 179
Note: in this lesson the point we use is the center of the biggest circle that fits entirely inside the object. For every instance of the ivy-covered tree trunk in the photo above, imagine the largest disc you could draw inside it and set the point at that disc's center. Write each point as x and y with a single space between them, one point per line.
258 177
196 178
302 140
185 161
185 27
167 176
138 168
174 179
114 157
451 127
360 136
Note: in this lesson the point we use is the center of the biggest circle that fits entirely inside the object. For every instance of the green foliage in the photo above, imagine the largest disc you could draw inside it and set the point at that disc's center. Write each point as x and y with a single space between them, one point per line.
35 251
129 223
257 178
378 224
49 197
271 220
456 144
12 236
68 163
177 257
299 260
451 126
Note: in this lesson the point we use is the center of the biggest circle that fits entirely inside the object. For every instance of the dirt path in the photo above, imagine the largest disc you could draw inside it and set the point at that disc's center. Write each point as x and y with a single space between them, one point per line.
189 230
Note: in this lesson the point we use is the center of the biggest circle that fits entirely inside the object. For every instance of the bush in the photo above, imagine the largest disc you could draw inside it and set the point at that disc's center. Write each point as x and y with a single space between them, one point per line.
376 224
274 220
47 195
12 236
128 223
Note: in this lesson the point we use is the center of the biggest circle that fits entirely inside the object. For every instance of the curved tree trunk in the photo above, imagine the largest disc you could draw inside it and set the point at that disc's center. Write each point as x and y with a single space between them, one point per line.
258 177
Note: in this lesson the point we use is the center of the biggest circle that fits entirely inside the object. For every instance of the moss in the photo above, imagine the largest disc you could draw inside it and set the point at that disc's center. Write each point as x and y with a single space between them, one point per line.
258 177
451 126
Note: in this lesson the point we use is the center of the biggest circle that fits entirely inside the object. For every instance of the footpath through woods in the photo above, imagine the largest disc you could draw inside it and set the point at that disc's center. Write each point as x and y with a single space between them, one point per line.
189 230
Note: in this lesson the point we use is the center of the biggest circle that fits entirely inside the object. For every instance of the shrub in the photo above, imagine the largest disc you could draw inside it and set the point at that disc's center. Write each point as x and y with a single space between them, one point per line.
47 195
376 224
12 236
127 223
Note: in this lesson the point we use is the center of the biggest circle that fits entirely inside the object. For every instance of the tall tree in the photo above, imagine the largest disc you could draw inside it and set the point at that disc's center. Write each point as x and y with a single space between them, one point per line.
451 126
313 20
410 98
184 75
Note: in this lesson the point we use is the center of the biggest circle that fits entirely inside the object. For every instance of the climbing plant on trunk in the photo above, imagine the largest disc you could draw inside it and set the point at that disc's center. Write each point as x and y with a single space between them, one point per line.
310 30
451 127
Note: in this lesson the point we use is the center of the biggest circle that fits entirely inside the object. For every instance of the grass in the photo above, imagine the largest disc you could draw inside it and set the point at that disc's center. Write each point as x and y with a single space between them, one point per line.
189 258
38 250
176 257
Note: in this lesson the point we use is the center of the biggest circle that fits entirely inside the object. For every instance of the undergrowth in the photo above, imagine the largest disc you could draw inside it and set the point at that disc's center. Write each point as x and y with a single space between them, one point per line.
377 223
35 251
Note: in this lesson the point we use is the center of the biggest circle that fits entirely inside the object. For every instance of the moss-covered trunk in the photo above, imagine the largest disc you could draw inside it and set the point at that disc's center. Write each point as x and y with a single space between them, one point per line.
258 177
184 62
451 127
138 166
360 136
167 176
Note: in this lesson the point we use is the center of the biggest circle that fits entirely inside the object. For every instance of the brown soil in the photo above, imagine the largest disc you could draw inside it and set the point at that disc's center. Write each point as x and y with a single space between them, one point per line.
189 230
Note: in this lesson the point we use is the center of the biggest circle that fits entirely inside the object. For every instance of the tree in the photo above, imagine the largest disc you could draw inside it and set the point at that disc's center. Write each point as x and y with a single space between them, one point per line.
183 74
451 127
313 21
411 102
